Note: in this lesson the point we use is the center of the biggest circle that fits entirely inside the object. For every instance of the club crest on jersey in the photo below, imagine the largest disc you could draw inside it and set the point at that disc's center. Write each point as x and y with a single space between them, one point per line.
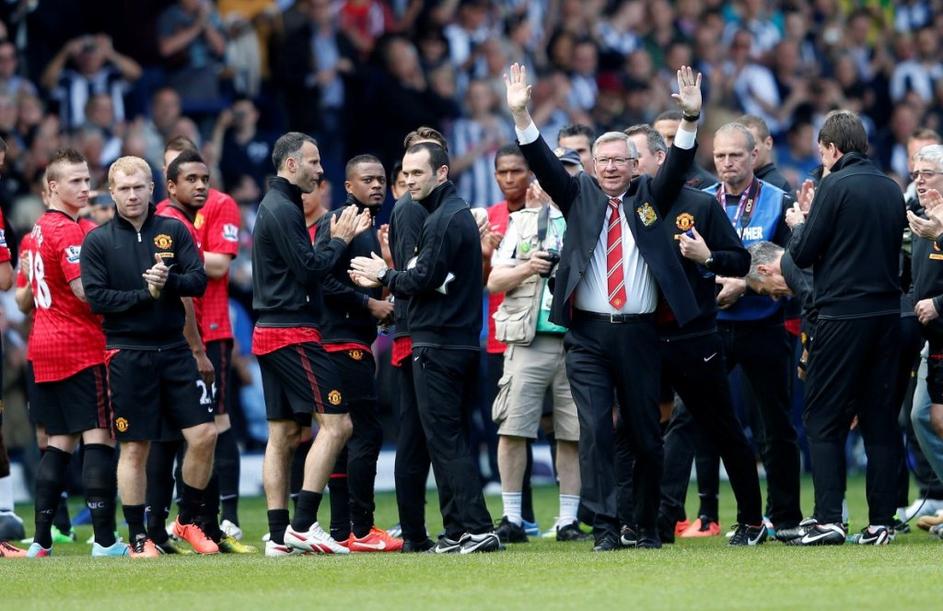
684 221
163 241
230 232
334 397
121 424
357 355
72 253
199 220
647 214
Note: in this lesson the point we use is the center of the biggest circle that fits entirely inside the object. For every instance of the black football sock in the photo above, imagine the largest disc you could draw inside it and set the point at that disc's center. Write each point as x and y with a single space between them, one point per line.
277 523
62 520
50 482
226 463
338 488
98 478
134 516
208 518
191 502
307 512
298 469
160 488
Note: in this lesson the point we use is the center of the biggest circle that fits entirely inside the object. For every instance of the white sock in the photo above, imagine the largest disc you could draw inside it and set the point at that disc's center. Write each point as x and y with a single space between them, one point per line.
6 493
569 506
512 507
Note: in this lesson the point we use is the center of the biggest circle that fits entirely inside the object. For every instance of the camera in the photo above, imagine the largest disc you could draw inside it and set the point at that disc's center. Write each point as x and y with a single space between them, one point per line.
553 257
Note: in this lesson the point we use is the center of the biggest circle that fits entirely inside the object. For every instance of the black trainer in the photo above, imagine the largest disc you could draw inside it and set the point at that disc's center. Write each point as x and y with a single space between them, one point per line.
785 535
412 547
571 532
900 527
748 535
485 542
628 537
648 540
881 535
509 532
822 534
666 529
607 542
445 546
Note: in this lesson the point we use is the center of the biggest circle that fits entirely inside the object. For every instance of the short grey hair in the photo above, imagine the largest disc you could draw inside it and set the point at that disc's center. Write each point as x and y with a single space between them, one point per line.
616 137
762 253
653 138
932 153
289 145
741 129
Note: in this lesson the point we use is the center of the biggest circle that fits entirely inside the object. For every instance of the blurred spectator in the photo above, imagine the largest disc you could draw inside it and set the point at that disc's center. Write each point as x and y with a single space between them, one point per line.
10 81
363 21
754 17
797 157
473 144
165 110
752 85
583 88
313 60
192 44
244 150
919 73
100 115
86 66
891 143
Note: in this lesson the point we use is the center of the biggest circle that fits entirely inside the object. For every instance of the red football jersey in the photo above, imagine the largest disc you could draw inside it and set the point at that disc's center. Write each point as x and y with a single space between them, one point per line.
199 310
66 337
23 270
218 224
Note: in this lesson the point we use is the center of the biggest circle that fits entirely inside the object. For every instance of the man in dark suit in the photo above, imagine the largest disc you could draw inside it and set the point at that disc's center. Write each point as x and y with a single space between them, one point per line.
616 258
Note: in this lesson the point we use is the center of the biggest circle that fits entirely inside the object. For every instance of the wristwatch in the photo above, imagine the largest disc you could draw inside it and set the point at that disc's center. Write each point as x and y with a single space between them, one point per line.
708 262
381 275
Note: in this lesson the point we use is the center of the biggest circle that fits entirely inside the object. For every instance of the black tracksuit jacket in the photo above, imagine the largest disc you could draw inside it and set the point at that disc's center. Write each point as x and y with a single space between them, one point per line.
406 224
444 312
286 269
113 258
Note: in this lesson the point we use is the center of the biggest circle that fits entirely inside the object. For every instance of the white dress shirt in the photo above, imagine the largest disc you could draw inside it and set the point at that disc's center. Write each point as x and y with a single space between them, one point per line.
592 291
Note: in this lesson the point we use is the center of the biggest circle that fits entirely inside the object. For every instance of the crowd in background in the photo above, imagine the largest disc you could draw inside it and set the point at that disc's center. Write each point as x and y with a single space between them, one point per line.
121 78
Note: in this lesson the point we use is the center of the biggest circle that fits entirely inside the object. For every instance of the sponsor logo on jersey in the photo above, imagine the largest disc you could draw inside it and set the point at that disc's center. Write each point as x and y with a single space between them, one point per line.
230 232
3 238
163 241
72 253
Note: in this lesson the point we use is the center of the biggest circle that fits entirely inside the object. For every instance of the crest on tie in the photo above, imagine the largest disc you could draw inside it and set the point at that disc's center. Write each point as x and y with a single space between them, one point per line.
647 214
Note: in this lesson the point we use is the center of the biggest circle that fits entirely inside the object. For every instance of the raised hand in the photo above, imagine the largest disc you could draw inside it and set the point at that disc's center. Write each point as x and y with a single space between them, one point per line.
346 224
156 276
806 195
689 91
518 91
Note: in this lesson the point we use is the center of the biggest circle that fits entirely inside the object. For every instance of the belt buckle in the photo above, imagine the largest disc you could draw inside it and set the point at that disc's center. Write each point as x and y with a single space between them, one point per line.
616 319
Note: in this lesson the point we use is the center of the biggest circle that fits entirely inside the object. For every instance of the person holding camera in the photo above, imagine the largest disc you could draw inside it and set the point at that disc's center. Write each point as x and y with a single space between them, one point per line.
533 363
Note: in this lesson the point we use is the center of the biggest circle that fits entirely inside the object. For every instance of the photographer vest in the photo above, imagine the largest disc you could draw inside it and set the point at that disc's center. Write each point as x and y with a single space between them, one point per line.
525 310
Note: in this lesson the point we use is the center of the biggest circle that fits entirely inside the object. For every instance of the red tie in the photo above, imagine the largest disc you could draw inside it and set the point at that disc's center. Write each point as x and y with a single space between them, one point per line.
615 279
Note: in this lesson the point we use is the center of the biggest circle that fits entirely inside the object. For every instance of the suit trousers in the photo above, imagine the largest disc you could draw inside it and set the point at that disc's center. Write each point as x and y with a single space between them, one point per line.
445 382
849 376
412 458
607 361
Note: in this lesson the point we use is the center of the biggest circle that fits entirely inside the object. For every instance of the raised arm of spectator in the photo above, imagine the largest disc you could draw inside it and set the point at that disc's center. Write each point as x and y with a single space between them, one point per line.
129 69
50 77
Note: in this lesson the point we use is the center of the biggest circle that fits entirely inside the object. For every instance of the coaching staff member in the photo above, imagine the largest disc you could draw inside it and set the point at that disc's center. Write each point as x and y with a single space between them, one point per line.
444 286
151 373
606 294
693 356
852 239
298 377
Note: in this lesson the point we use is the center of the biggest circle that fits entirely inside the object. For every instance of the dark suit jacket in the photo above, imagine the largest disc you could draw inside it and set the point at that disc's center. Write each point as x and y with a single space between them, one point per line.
584 205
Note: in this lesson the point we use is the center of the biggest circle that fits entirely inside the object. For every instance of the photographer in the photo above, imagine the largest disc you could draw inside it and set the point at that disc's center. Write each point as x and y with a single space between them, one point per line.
533 363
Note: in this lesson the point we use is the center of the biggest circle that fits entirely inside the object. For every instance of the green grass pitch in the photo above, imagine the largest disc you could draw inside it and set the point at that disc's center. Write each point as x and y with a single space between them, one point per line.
543 575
